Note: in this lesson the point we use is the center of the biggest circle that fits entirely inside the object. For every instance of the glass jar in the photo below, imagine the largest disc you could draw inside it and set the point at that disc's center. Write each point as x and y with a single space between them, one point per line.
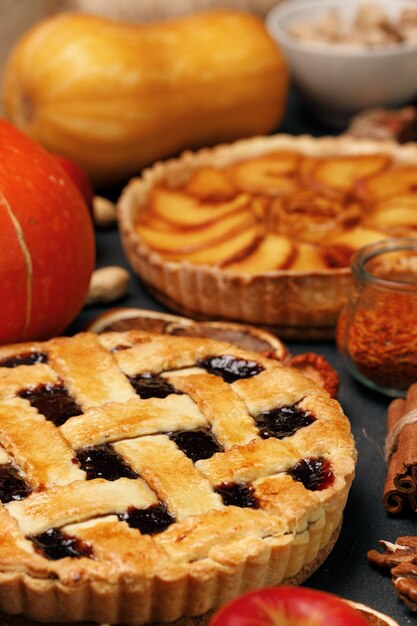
377 330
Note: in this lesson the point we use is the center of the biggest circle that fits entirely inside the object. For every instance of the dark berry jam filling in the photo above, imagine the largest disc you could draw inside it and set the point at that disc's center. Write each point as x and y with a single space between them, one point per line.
151 386
53 401
27 358
315 473
104 462
230 368
150 521
283 421
12 486
54 545
120 348
196 444
238 494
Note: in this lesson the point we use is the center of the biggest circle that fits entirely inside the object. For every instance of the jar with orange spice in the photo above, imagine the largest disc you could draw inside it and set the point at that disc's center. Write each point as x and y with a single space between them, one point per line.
377 330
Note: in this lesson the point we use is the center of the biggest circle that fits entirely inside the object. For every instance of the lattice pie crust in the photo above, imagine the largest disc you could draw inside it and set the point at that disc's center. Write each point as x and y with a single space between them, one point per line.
157 531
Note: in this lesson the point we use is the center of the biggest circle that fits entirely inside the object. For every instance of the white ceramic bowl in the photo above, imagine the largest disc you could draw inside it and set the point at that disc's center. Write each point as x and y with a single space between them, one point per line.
340 80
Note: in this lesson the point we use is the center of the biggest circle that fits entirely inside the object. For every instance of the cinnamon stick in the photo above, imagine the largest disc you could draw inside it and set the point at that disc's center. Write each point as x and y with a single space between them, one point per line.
412 500
400 488
394 500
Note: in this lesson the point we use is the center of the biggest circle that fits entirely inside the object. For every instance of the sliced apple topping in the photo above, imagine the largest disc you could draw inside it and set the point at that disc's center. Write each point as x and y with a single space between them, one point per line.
339 249
394 182
272 174
308 215
172 240
281 210
261 207
309 257
273 252
398 211
307 166
357 237
209 183
313 203
184 211
342 172
234 248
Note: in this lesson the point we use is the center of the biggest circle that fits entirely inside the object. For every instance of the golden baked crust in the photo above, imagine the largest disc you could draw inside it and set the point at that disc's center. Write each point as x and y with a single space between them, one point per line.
302 296
247 337
161 529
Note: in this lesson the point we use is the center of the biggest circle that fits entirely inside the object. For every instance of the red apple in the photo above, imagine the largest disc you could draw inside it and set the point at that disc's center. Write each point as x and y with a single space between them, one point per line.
78 177
47 241
287 606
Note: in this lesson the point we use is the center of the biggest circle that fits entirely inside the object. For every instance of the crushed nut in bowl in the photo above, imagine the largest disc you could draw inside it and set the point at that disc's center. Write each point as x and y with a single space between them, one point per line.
348 56
370 25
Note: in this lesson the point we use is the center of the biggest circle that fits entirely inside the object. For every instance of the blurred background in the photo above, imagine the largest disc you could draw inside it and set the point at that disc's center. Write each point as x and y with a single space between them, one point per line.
18 15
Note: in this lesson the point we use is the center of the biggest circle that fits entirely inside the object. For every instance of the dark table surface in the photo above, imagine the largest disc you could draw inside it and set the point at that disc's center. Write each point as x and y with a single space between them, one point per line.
346 571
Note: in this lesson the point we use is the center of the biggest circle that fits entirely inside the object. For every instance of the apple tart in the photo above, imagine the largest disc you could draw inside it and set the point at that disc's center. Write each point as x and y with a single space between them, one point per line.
262 231
150 477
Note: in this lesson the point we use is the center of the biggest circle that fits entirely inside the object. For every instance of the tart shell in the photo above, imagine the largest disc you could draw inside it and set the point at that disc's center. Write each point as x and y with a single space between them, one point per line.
45 600
375 618
94 602
293 304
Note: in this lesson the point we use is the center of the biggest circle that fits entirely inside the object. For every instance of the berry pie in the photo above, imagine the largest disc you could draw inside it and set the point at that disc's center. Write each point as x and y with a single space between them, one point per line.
262 231
149 477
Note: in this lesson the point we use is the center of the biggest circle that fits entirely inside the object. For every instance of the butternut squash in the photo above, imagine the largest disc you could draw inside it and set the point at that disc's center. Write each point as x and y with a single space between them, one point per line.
156 9
116 96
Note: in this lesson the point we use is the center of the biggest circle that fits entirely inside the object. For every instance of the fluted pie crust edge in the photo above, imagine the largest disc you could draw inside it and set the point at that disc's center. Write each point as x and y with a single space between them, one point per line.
292 304
36 600
124 603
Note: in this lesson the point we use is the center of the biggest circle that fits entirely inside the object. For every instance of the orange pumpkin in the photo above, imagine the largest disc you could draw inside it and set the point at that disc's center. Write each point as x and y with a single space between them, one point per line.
47 241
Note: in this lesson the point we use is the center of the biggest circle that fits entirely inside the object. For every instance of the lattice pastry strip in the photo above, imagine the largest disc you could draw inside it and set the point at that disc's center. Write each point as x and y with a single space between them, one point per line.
22 354
245 464
113 421
192 540
22 427
185 492
221 406
11 378
14 548
90 371
4 457
275 387
79 501
188 467
115 542
282 496
160 353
